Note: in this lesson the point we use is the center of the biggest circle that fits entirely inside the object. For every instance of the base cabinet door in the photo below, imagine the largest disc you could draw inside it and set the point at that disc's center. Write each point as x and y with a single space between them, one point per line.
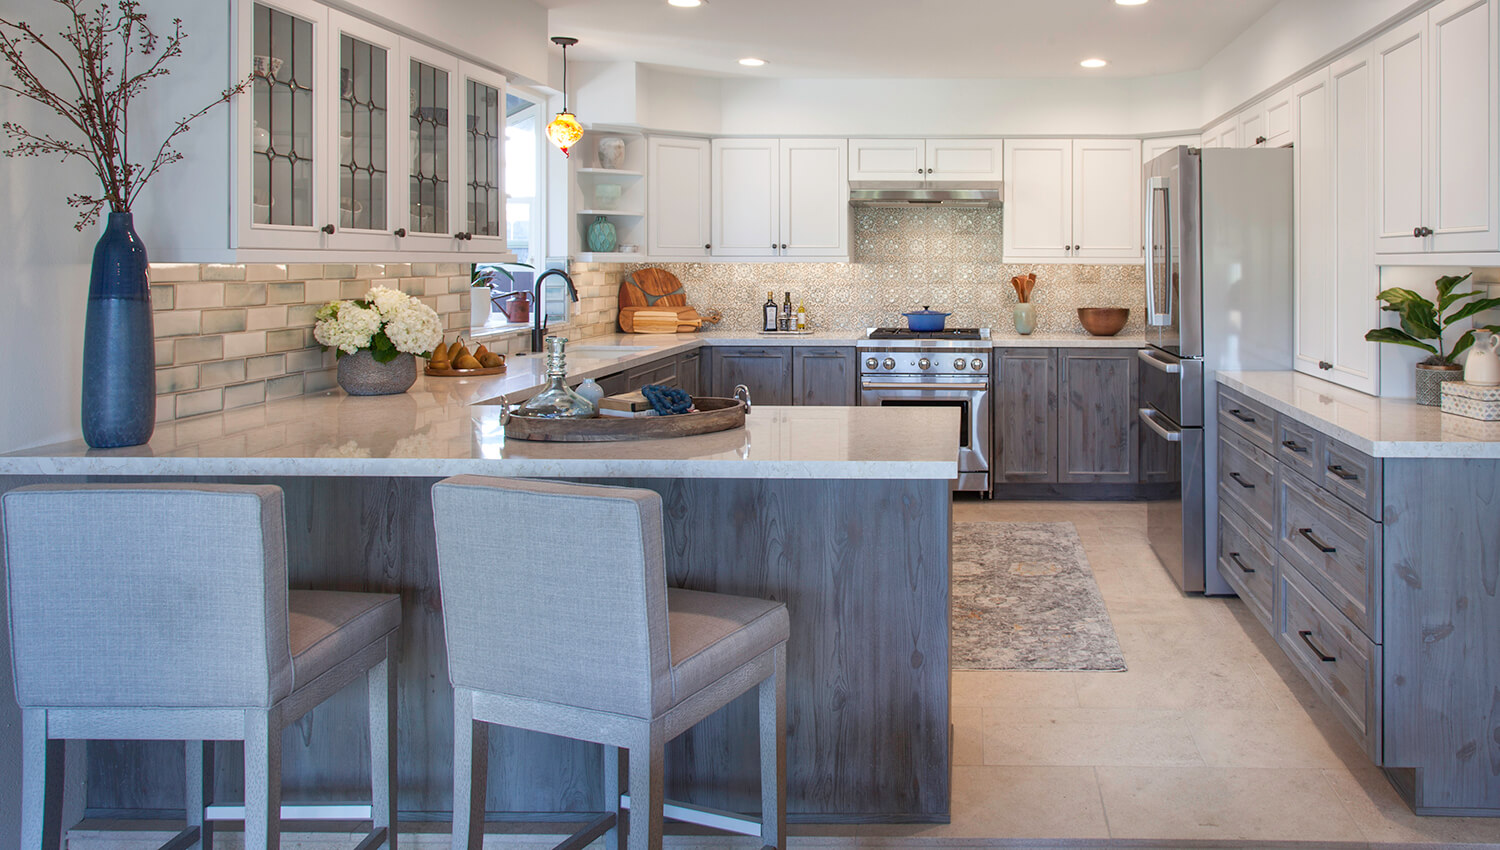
1097 424
1026 415
689 372
823 376
658 372
766 372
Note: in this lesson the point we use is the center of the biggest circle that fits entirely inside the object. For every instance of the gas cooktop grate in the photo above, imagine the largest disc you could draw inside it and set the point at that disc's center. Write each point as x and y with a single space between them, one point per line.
903 333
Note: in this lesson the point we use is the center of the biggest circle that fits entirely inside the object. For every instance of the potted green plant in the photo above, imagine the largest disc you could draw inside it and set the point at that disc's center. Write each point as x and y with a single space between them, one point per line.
1422 320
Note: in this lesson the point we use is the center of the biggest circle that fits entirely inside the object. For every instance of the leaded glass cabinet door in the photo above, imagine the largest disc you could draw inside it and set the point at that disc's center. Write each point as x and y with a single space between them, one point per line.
434 118
370 99
284 125
483 144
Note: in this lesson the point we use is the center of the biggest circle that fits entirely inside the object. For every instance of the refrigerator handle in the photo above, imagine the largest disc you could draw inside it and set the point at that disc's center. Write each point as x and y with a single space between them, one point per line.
1171 435
1154 185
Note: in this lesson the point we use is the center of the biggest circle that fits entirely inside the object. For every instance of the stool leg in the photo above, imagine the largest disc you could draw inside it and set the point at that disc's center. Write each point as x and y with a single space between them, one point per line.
773 754
646 767
471 756
199 756
41 783
262 782
382 686
612 838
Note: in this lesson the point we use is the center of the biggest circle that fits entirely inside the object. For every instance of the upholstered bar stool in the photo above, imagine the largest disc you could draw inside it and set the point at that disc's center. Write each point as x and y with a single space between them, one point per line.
588 642
161 612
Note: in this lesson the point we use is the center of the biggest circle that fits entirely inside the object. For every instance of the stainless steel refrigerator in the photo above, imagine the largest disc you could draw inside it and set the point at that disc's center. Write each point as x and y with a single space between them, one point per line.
1219 265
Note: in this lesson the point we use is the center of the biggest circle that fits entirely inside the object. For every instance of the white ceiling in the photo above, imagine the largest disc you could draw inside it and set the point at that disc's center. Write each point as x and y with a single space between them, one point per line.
906 38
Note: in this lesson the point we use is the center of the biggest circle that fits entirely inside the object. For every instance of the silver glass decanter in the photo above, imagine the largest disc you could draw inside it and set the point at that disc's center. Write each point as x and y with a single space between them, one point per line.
556 400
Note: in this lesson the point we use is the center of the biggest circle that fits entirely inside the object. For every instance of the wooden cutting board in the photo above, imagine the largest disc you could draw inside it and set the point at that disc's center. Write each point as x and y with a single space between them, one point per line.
659 320
652 288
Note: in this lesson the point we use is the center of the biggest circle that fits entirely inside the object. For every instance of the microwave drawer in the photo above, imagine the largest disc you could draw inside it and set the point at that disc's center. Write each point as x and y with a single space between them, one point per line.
1247 481
1336 548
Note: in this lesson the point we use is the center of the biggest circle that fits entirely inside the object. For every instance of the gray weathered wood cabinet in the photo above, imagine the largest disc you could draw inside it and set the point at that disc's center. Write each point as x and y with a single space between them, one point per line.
689 371
765 370
824 376
1025 416
662 372
1096 416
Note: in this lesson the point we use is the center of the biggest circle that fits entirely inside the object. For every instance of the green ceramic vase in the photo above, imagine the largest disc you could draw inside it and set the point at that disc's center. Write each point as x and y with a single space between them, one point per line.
602 236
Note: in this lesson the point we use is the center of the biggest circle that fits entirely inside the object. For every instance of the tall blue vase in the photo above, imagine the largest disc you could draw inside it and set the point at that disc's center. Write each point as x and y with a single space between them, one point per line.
119 359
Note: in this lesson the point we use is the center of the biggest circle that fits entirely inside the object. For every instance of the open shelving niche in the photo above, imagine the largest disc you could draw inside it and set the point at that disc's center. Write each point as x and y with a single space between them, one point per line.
628 215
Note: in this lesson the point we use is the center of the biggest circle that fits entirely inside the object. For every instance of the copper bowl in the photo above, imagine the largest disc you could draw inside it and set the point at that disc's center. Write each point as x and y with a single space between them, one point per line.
1103 321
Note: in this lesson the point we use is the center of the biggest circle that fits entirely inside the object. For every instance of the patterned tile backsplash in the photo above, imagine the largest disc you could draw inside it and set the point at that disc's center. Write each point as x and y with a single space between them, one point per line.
907 257
228 336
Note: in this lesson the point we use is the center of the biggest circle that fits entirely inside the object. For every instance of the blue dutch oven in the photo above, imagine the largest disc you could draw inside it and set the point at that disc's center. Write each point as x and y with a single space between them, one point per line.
926 320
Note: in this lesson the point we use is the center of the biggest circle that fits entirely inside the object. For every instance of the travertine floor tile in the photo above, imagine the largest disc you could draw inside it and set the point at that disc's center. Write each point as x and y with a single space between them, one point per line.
1120 736
1025 802
1294 739
1015 689
968 734
1383 817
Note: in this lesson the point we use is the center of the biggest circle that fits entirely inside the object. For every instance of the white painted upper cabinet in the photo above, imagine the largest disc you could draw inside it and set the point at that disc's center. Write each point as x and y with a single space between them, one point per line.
746 203
1225 135
814 212
1436 160
936 160
680 218
1153 148
1312 167
1267 124
1069 199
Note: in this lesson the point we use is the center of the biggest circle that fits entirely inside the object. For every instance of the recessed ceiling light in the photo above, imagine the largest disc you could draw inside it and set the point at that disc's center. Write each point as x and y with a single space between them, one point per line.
692 4
1130 2
752 62
1093 63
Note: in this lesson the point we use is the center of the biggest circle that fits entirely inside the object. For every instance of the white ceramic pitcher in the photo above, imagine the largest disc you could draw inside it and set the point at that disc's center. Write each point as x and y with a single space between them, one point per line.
1483 365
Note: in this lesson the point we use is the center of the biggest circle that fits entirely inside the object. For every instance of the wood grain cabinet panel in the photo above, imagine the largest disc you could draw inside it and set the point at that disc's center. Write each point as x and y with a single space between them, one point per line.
1247 561
1247 482
689 372
765 371
1025 415
659 372
1251 419
1336 548
1097 424
824 376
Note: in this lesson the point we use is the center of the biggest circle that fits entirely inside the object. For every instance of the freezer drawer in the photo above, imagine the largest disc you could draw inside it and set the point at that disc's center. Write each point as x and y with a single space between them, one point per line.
1176 525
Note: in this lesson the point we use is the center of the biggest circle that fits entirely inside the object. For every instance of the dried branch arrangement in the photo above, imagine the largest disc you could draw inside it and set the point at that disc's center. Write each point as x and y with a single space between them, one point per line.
105 57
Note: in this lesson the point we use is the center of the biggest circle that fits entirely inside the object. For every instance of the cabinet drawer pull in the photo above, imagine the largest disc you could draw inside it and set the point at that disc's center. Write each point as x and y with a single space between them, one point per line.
1240 481
1235 556
1342 473
1294 446
1237 414
1322 547
1307 639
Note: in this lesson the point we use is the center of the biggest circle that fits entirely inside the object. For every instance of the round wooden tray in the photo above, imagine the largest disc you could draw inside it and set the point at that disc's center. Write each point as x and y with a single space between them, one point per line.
463 373
714 414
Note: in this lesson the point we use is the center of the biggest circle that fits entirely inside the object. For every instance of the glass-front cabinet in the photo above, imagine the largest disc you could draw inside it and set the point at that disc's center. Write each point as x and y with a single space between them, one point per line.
356 139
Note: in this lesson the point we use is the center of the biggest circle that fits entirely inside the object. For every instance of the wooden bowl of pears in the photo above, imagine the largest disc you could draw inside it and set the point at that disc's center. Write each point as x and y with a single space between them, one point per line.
456 361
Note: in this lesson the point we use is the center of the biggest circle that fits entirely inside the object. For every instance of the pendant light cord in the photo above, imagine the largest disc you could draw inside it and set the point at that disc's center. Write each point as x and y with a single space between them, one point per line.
564 42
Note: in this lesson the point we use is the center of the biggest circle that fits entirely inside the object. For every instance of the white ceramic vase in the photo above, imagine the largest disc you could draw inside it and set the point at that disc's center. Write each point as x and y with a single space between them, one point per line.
479 307
611 152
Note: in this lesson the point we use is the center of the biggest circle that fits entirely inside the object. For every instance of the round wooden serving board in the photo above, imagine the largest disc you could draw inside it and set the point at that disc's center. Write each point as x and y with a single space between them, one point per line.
714 414
463 373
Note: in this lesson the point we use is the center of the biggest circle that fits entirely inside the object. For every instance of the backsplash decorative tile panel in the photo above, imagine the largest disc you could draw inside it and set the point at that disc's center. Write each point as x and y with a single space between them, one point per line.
229 336
906 258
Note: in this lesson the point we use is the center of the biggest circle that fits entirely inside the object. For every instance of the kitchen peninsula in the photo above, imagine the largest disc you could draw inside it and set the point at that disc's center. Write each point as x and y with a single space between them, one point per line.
841 512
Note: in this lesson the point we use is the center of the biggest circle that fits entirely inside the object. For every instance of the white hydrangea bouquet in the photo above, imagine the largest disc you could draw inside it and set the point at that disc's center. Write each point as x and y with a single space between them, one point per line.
376 339
387 322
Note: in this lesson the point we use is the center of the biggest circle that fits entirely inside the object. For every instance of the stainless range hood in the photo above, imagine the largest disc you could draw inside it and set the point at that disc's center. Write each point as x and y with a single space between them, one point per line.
917 194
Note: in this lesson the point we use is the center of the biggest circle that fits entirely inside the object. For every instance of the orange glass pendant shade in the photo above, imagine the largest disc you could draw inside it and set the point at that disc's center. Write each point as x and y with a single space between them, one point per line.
564 131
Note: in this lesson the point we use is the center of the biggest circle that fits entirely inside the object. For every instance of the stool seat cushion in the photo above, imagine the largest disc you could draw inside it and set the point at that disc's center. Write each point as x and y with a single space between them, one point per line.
328 626
712 634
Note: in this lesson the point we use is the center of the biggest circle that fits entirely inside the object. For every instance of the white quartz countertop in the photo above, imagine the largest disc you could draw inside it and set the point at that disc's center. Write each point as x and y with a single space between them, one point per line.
998 339
1379 427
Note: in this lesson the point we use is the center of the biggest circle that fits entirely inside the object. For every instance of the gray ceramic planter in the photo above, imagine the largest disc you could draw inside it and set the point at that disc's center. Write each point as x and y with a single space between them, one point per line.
1430 380
359 374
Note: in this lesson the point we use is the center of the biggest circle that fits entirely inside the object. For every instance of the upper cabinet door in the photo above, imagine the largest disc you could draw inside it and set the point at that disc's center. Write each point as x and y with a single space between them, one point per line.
1464 186
482 150
1153 148
434 168
1107 199
362 185
814 198
746 207
679 220
1355 280
1225 135
1039 198
965 160
1400 205
1312 162
284 118
1252 127
887 159
1279 124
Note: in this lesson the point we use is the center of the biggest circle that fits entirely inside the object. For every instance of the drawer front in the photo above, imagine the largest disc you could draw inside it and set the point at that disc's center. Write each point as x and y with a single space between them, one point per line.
1340 662
1354 477
1248 562
1253 420
1247 482
1298 446
1335 547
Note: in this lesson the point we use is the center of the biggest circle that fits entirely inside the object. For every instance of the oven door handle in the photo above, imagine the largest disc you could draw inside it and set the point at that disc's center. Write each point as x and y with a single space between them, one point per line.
1148 357
923 386
1171 435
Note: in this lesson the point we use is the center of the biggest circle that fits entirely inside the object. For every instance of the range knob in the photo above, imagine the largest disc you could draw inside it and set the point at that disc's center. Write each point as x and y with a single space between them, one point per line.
923 363
889 363
960 364
871 363
977 364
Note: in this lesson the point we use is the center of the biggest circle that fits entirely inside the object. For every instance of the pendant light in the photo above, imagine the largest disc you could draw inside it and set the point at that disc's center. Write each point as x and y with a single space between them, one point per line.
564 131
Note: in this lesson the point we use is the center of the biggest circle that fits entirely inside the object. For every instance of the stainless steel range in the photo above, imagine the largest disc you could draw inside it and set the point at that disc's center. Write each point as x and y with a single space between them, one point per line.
951 368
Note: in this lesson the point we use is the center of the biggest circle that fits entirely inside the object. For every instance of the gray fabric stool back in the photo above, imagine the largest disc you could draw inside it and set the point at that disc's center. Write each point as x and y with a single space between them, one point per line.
161 612
567 626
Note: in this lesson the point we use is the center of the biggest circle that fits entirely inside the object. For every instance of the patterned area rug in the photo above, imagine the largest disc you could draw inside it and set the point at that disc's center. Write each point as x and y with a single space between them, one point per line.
1024 599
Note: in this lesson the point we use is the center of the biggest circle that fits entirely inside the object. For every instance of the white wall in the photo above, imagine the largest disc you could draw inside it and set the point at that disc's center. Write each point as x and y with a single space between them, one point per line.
685 103
1293 36
509 34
